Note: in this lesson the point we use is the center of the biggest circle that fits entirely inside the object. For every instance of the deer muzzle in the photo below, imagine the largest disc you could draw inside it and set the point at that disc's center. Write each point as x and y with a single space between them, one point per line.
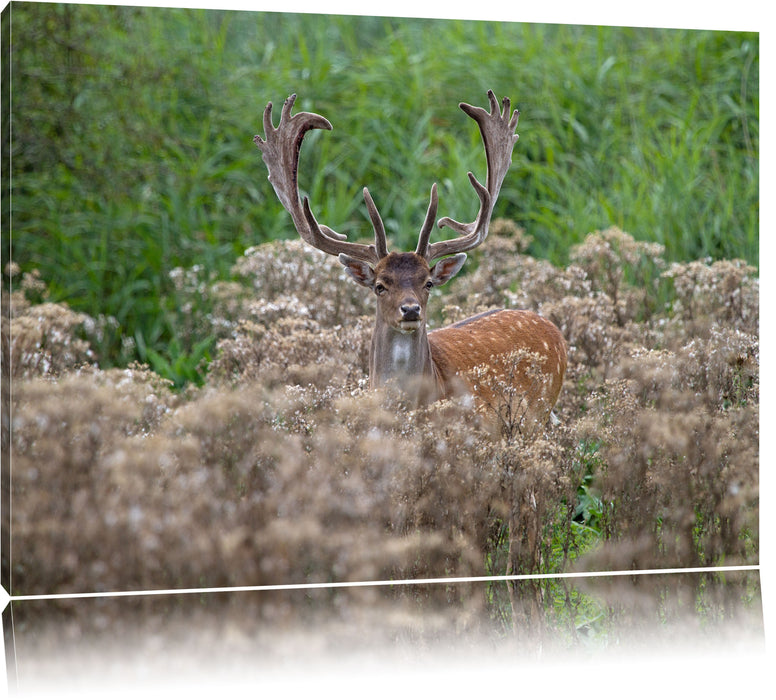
411 318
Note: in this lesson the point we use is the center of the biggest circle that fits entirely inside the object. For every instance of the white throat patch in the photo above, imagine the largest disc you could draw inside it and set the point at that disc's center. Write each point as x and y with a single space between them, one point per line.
401 351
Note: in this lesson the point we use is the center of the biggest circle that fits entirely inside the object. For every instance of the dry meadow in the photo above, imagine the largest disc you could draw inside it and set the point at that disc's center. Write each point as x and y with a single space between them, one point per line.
283 468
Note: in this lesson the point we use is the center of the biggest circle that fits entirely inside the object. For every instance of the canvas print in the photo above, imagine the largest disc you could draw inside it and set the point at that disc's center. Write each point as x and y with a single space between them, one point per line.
443 329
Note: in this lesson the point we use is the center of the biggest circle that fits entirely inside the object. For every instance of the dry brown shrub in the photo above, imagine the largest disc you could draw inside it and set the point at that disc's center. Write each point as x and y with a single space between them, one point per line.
589 327
262 348
310 283
725 291
43 340
609 258
195 288
506 277
280 280
63 433
680 476
306 317
284 468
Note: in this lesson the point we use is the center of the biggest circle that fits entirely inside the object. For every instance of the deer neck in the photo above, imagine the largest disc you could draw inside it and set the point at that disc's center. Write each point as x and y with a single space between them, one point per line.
402 357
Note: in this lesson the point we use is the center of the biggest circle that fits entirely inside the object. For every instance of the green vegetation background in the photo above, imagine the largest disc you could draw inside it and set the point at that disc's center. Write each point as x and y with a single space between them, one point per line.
132 155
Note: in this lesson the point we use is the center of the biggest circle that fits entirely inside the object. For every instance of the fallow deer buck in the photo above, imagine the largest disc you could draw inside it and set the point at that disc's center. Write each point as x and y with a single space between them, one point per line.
517 348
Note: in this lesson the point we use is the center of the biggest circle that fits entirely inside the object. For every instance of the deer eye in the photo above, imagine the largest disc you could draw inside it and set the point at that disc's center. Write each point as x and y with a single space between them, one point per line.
380 289
429 284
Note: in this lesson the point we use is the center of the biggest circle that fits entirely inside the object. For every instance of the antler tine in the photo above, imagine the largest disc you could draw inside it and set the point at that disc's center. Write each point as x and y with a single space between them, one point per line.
280 151
497 128
428 223
381 246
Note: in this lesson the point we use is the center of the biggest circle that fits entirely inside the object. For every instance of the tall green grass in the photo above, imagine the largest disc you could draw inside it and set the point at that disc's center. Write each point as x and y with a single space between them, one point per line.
132 151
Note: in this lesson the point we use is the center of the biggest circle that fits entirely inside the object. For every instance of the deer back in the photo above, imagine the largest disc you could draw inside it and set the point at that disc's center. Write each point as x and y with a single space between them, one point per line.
507 355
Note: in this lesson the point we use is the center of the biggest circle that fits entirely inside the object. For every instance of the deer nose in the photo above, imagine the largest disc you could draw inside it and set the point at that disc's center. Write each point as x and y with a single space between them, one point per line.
410 312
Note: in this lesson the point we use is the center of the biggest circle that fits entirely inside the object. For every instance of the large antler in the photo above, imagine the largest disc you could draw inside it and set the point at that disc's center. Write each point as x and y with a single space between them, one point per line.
280 151
498 134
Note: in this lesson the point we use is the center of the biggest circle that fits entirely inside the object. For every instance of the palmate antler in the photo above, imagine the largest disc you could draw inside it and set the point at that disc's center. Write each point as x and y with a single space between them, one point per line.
498 135
280 151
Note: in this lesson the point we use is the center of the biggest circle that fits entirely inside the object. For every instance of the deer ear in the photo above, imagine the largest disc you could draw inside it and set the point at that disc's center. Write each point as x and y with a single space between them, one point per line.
447 268
358 270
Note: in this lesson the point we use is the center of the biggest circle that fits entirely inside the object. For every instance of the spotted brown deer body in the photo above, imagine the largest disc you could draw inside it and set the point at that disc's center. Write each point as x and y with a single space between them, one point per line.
516 350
